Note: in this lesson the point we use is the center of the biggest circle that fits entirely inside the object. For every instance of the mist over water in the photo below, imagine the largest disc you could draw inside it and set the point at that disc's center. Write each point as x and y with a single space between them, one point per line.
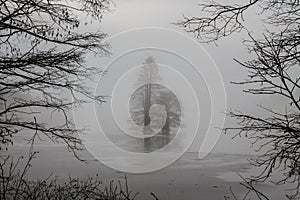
188 178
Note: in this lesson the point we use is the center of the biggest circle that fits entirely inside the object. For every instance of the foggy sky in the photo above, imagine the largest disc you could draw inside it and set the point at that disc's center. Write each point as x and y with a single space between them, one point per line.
133 14
136 14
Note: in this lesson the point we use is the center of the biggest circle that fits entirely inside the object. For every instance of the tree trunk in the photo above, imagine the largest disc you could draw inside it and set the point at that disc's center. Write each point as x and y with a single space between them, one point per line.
147 120
166 131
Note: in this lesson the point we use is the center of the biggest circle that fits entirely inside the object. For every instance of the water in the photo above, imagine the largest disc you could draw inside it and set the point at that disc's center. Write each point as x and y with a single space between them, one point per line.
187 178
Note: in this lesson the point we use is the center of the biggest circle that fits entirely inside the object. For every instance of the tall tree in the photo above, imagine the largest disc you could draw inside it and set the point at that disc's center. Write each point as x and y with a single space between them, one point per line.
42 61
143 96
151 92
148 75
274 70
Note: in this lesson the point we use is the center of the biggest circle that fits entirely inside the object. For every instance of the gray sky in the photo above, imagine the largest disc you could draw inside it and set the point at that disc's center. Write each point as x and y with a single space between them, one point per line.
131 14
137 14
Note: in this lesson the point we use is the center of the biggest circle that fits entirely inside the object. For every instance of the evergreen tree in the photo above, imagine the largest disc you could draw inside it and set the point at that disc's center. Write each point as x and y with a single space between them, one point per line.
151 92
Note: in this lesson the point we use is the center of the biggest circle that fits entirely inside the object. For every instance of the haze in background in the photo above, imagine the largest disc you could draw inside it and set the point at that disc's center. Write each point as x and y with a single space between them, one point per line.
133 14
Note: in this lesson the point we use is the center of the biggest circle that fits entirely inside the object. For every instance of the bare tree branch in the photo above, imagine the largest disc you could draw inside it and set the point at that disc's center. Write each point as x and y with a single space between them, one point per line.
43 67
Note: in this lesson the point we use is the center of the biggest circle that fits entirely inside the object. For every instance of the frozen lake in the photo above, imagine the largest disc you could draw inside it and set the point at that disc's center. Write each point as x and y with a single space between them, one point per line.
187 178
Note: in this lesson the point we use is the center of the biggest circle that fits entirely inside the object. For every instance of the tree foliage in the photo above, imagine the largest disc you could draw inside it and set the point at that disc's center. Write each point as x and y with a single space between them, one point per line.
150 92
274 70
144 96
42 64
144 110
149 72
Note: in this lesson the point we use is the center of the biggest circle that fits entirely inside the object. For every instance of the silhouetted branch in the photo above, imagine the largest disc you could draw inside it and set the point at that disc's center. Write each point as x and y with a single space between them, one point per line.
43 67
14 185
273 70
